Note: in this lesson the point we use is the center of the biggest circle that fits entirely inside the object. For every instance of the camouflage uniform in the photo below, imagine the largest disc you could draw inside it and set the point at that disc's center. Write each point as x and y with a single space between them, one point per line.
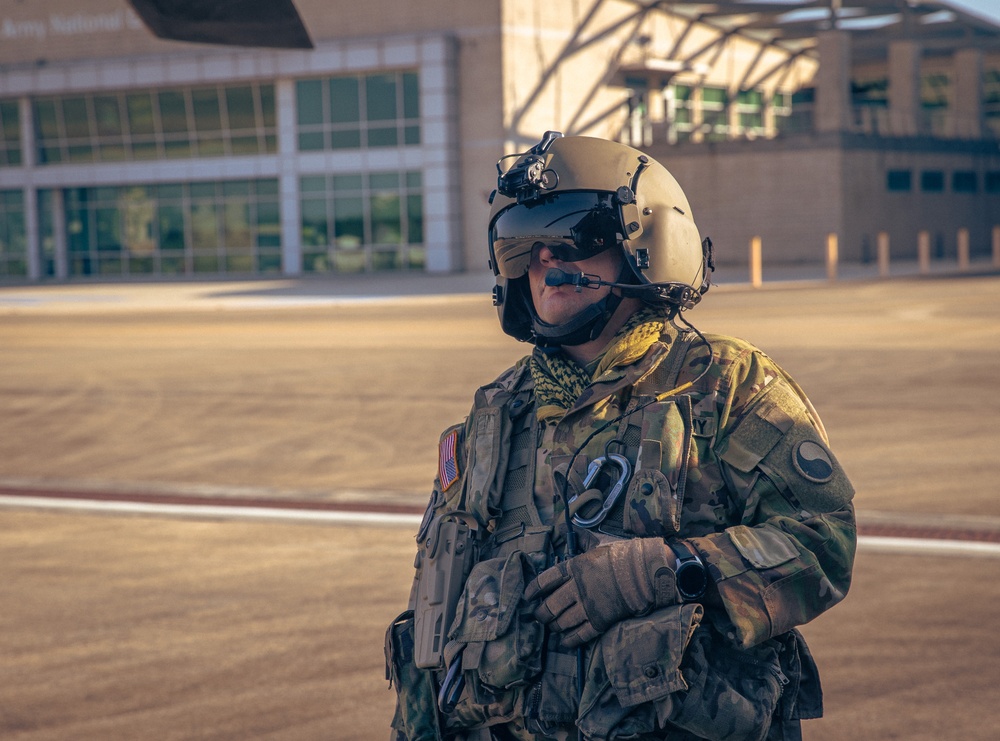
731 458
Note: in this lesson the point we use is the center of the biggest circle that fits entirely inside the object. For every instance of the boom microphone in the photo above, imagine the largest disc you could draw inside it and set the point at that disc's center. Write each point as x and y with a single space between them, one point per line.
557 277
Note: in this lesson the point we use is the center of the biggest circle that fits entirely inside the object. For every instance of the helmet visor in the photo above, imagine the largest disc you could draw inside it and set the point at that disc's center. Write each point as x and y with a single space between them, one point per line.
575 225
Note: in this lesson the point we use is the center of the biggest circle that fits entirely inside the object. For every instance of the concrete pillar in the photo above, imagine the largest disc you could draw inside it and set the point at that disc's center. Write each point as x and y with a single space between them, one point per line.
963 249
967 94
833 81
883 254
756 265
924 251
904 88
832 256
995 246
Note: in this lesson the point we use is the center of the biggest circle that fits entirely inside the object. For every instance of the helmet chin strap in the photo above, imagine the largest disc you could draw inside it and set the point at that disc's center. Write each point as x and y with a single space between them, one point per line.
585 326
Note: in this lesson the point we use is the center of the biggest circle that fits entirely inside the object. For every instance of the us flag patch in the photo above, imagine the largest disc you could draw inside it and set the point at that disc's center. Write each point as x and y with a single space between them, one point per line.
447 460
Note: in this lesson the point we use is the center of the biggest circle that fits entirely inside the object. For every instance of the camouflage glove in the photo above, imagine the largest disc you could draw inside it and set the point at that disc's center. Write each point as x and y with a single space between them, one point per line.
584 596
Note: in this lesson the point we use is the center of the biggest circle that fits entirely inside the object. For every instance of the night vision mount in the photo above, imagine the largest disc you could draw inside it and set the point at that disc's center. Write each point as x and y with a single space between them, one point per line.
528 177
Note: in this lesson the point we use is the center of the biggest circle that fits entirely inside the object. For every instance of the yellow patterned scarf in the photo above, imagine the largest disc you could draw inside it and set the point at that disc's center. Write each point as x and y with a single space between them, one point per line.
559 380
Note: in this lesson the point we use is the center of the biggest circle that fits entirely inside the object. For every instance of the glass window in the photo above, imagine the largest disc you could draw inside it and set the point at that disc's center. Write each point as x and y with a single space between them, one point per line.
204 226
992 182
173 112
349 222
10 120
108 229
898 180
138 215
10 133
108 116
345 105
349 183
268 109
354 222
932 181
140 114
13 242
934 90
411 95
76 118
873 92
380 97
386 219
268 223
171 226
379 110
236 231
207 113
415 218
963 181
714 96
309 102
383 180
240 108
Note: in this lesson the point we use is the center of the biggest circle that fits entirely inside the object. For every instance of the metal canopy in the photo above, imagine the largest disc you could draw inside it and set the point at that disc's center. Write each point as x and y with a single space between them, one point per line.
253 23
873 24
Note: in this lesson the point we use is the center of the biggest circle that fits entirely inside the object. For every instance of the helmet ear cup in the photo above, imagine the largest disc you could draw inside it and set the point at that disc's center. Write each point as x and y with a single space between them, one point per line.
513 301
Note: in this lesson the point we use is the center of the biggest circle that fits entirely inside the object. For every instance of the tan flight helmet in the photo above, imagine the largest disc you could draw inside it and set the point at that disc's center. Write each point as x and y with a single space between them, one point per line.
580 196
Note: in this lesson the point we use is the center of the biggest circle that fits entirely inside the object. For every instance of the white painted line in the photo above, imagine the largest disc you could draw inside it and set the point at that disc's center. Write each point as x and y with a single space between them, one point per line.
929 546
868 542
213 511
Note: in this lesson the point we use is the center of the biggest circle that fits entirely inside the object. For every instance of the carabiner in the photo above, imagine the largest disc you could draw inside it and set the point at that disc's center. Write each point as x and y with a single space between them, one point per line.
625 469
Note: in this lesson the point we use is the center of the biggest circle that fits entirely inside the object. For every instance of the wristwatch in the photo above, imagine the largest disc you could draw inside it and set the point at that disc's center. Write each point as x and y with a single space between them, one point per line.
690 571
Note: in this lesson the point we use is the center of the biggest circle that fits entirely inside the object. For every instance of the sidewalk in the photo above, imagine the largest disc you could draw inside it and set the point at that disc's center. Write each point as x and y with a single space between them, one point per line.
315 291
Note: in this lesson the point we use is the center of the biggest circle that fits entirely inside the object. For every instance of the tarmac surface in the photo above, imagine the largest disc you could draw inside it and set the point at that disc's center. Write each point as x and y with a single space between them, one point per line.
292 424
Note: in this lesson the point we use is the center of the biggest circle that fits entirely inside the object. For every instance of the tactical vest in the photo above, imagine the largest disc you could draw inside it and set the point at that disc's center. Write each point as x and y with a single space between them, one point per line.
647 669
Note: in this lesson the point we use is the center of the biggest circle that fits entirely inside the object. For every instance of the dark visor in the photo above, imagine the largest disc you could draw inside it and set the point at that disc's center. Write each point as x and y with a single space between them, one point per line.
577 225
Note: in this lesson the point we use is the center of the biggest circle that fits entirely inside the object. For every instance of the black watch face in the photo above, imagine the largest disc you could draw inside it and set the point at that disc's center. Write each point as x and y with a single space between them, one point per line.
691 580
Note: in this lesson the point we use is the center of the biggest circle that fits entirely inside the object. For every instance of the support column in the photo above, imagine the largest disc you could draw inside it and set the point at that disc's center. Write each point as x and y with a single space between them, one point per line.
904 88
833 81
967 95
32 241
288 182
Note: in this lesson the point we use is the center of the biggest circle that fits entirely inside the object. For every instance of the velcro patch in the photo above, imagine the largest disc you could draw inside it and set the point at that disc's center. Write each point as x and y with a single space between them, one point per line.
813 461
448 472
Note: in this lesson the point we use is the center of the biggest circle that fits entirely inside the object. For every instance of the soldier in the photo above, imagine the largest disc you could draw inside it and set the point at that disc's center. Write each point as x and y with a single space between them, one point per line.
632 521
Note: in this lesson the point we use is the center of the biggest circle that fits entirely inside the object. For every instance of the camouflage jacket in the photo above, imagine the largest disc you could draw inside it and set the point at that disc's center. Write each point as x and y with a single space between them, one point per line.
726 453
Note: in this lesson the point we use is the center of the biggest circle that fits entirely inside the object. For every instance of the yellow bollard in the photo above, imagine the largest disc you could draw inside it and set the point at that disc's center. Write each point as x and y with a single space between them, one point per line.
883 254
756 266
963 249
831 257
924 252
996 246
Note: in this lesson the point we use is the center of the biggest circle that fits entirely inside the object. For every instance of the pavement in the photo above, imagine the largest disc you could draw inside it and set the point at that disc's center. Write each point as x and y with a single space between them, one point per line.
331 290
312 399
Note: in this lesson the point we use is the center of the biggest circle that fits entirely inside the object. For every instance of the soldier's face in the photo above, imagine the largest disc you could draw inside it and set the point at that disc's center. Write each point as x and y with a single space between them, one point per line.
559 304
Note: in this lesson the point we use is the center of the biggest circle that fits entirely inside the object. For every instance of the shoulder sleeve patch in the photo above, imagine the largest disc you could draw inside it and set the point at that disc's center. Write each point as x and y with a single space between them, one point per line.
448 472
813 461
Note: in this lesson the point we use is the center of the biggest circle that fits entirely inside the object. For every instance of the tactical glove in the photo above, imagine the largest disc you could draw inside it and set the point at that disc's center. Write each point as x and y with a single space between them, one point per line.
584 596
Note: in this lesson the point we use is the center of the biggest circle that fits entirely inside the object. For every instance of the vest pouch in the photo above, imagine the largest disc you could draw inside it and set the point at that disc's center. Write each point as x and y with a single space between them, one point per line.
732 693
655 498
489 448
416 717
634 673
497 640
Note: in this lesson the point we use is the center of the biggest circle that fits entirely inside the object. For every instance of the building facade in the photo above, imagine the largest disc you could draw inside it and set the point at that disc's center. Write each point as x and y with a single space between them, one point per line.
127 156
